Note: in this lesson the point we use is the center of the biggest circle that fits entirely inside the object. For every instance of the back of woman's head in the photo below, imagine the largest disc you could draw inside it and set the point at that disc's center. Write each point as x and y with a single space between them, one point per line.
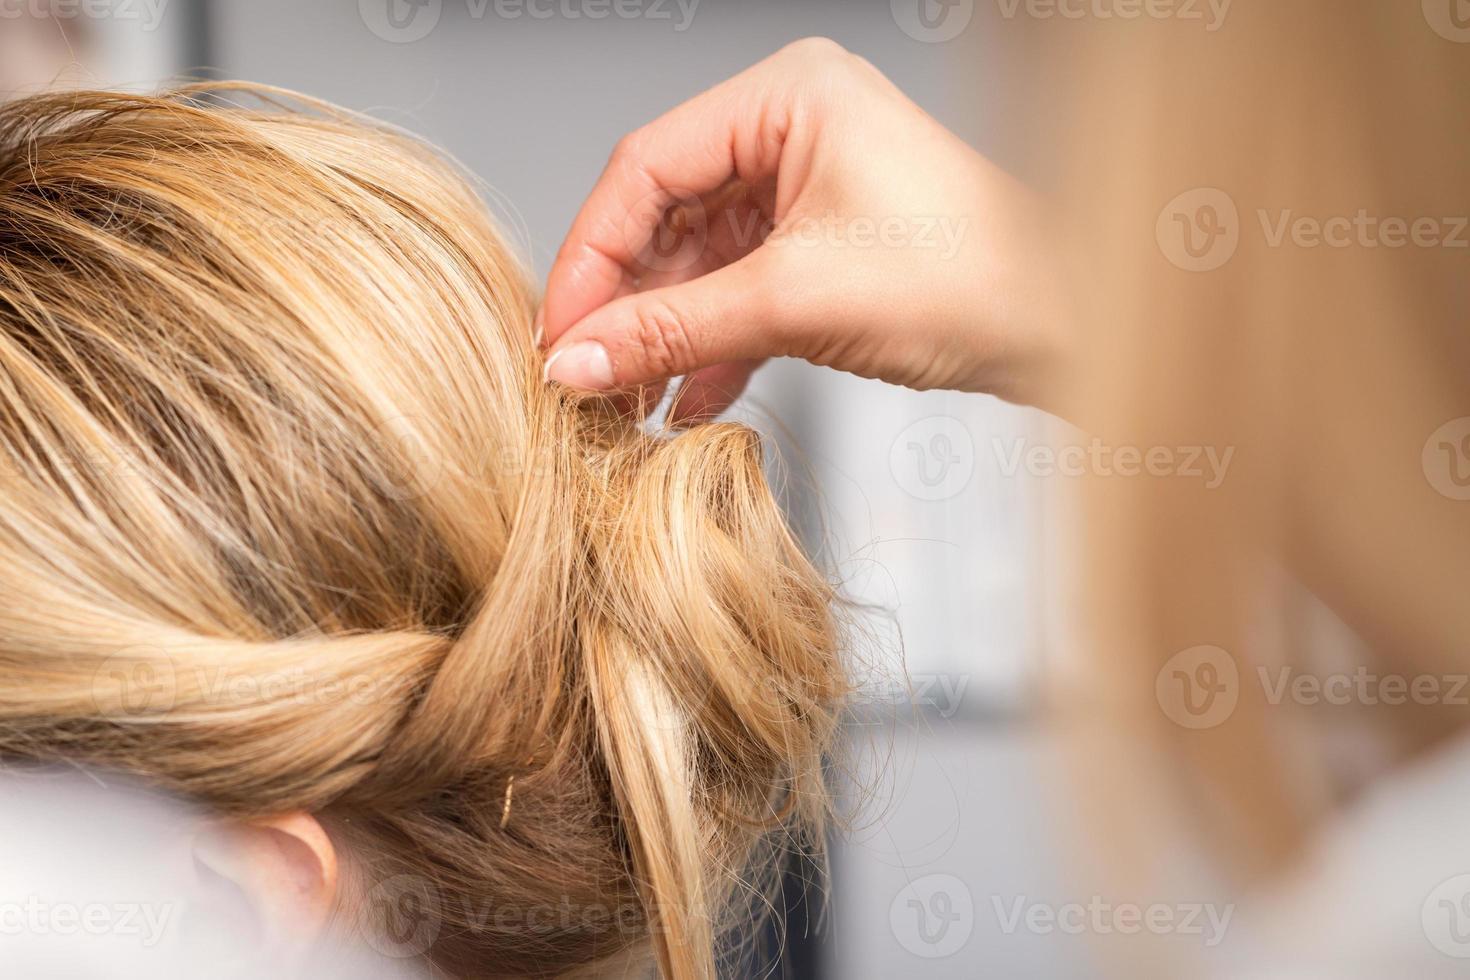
289 522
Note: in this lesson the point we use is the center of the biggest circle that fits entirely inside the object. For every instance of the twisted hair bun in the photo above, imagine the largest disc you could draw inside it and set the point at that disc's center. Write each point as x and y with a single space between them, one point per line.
288 520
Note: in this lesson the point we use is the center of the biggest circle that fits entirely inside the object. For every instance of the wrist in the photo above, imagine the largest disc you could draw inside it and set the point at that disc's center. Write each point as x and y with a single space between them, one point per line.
1020 284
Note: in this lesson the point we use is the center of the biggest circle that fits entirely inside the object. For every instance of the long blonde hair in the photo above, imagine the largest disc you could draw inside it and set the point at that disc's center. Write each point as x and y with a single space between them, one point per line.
289 521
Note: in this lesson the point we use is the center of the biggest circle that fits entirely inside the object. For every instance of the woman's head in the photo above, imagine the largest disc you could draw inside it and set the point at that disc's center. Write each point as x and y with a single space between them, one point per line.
290 525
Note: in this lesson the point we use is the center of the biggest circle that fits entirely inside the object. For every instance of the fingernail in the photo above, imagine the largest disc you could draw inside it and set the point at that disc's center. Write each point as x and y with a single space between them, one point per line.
538 330
583 365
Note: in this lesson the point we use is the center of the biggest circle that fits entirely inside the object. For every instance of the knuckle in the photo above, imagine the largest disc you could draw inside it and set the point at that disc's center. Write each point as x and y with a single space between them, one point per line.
570 250
862 66
664 338
630 146
823 67
818 48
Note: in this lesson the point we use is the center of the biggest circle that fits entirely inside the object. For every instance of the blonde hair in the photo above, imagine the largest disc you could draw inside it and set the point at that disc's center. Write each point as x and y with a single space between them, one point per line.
289 521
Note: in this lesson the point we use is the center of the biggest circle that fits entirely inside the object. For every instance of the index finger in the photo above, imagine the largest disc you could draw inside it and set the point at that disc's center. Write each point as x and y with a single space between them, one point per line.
732 130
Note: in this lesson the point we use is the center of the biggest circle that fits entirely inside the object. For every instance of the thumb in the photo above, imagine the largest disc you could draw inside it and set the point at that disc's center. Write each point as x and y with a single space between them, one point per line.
725 315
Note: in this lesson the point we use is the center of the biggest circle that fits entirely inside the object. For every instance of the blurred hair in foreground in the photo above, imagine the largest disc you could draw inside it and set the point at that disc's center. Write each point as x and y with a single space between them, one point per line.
289 521
1326 365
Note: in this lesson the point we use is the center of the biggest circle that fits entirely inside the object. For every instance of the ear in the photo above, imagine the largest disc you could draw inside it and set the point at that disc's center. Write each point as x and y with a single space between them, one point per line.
284 868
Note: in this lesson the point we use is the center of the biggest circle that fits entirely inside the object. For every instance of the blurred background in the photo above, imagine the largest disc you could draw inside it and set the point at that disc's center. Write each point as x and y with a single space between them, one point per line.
915 500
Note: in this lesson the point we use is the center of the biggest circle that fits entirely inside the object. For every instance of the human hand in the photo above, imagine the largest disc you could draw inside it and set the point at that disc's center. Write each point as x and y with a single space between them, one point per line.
803 208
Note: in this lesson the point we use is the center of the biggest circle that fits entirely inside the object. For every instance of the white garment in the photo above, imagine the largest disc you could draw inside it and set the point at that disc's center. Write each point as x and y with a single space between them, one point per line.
1384 894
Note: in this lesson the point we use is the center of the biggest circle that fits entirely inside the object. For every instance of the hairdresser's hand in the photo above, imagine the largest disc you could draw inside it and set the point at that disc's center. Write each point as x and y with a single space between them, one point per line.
806 208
